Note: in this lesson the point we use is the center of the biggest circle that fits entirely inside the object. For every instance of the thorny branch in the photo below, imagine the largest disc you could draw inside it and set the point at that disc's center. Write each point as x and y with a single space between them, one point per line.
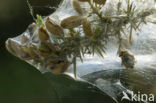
97 32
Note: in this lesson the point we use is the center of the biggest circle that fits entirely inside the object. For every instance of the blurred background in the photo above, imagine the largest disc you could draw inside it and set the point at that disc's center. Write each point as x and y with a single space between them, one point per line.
20 82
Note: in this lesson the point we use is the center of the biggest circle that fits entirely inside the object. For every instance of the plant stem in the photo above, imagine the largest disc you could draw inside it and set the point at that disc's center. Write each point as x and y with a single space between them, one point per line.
74 65
95 10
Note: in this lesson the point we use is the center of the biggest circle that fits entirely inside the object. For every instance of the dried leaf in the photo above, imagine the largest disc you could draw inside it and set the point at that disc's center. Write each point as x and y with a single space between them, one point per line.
87 28
30 53
101 2
43 34
44 50
24 38
53 27
76 5
72 22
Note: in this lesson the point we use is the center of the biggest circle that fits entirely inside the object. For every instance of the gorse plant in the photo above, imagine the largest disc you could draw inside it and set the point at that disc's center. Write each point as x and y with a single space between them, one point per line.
86 33
98 30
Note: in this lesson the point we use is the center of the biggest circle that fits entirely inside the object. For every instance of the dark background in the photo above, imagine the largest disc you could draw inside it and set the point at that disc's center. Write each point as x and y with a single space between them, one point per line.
19 81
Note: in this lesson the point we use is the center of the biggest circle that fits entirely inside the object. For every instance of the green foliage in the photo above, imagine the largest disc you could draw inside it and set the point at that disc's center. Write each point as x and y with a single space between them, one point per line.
68 90
39 21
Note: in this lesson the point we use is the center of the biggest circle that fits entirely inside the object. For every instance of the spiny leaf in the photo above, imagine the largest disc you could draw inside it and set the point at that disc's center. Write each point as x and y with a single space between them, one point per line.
130 35
99 52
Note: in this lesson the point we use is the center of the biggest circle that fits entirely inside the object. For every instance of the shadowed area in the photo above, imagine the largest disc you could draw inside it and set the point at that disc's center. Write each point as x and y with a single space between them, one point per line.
20 82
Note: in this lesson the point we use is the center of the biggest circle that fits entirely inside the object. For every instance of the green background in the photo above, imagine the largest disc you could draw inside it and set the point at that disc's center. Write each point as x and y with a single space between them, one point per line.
19 81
